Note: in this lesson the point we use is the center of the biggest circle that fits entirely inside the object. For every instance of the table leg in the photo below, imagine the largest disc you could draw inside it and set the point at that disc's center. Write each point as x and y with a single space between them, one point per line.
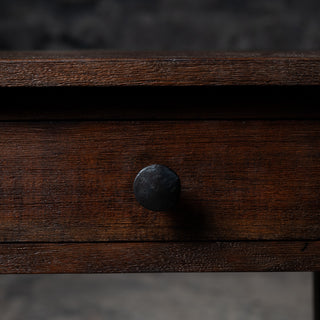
316 292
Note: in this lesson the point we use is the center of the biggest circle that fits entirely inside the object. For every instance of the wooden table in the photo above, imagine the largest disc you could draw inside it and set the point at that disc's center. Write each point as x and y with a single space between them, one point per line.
240 130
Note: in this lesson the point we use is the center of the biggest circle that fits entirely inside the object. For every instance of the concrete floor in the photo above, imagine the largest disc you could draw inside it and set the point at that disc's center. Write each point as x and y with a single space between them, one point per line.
222 296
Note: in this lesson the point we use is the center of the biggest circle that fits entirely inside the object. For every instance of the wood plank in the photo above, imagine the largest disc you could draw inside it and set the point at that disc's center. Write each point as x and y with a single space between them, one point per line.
241 180
159 257
40 69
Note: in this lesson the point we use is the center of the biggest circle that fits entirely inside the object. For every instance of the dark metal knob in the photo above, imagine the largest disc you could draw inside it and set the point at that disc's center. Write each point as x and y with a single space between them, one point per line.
157 187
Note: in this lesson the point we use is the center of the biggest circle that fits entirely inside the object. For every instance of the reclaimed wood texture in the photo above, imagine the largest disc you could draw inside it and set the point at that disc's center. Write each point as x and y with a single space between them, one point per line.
159 257
241 180
100 68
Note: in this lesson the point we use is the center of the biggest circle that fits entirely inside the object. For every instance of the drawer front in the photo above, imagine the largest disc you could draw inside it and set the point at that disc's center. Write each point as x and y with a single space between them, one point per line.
72 181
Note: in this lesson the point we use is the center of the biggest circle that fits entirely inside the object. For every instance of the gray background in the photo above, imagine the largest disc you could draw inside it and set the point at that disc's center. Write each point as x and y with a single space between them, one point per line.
215 296
158 25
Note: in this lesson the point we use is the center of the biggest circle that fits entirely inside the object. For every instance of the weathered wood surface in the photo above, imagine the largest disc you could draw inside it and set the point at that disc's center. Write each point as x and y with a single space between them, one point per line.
241 180
160 257
40 69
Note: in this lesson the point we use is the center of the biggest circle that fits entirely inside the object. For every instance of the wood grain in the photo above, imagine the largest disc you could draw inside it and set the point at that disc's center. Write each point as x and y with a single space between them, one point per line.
241 180
159 257
100 68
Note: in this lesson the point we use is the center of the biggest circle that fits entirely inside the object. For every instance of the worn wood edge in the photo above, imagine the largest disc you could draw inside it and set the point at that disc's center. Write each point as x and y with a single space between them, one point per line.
145 55
105 69
160 257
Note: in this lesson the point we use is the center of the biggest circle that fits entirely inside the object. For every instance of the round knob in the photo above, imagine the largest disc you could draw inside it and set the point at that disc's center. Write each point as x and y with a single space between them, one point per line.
157 187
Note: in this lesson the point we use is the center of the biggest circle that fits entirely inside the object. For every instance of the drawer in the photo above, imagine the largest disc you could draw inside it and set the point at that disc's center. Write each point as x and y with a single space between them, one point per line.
72 181
241 130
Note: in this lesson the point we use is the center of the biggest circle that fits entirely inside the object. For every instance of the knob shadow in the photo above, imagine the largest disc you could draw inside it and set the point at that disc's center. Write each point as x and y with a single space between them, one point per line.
190 219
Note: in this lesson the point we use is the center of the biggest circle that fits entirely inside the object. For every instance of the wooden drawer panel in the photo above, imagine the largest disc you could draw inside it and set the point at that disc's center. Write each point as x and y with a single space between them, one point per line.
72 181
113 257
